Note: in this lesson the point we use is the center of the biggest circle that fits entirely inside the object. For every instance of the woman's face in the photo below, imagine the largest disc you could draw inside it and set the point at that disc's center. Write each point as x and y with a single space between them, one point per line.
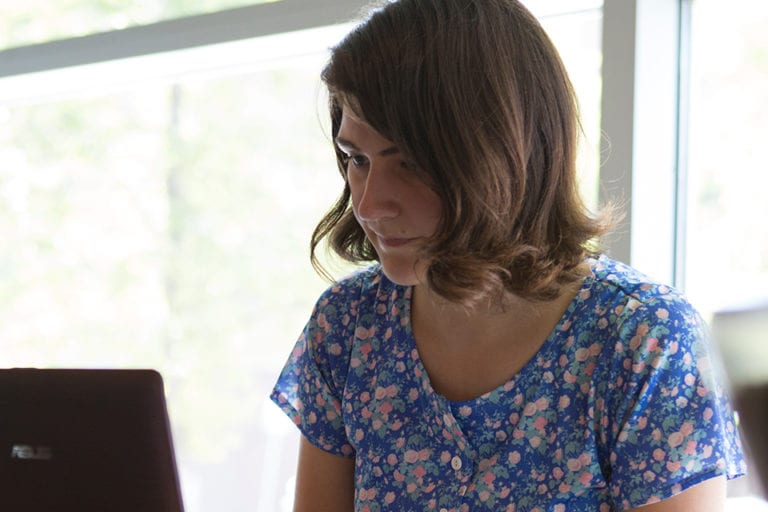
396 208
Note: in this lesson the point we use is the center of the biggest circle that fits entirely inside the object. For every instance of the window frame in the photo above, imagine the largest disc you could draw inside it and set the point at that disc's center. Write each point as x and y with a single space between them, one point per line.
224 26
643 165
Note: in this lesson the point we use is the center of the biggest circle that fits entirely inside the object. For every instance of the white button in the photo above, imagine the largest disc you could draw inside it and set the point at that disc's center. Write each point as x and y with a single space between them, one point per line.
456 463
443 510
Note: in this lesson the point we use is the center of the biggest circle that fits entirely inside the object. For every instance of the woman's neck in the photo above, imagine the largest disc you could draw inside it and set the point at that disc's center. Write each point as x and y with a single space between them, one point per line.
513 314
470 351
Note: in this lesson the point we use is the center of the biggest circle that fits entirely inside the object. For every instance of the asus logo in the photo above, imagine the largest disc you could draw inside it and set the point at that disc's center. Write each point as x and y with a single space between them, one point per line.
27 452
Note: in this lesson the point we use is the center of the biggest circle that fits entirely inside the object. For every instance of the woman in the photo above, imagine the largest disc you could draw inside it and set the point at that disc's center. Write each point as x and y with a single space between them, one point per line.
490 358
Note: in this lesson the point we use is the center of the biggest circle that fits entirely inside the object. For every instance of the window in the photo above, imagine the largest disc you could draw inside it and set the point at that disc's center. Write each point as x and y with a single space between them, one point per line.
726 257
163 222
727 243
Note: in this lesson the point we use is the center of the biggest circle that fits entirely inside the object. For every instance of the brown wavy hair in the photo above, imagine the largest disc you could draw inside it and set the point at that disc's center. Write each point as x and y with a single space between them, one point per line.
473 92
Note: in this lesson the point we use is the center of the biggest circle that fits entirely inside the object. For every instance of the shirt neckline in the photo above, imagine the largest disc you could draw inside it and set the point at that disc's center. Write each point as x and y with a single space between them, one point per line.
525 373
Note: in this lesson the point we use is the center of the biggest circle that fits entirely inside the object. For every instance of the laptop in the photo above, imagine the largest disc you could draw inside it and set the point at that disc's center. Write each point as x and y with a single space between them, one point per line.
86 441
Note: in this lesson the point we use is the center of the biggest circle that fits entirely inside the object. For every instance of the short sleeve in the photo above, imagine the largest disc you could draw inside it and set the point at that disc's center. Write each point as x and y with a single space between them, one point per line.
671 424
310 387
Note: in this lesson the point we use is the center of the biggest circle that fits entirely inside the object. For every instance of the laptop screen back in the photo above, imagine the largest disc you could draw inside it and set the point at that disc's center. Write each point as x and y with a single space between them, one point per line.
85 440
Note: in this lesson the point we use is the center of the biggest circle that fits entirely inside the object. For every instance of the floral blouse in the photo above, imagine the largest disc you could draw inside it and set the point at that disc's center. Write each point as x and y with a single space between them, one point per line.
619 408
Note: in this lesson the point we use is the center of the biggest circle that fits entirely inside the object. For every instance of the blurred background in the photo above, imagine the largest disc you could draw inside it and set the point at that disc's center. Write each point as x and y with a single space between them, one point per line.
156 206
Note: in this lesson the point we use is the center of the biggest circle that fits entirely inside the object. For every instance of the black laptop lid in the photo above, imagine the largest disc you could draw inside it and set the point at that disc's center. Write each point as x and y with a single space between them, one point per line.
86 441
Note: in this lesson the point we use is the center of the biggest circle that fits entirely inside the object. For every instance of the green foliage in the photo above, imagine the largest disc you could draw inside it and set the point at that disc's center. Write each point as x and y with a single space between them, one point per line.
167 226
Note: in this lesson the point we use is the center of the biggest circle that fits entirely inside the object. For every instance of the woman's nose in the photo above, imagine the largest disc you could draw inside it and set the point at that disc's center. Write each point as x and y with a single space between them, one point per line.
376 197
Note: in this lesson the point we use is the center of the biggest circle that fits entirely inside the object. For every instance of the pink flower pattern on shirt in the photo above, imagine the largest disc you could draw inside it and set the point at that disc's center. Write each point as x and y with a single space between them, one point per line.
620 407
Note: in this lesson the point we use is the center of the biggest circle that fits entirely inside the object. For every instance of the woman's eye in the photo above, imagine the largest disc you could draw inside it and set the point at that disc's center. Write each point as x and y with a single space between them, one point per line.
355 160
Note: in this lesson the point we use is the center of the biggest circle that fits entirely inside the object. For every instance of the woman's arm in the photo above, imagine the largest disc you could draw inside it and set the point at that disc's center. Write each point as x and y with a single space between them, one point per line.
708 496
324 482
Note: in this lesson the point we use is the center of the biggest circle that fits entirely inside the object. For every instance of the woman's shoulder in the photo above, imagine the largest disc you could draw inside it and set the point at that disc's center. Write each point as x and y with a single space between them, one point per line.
360 295
645 323
627 306
355 286
622 287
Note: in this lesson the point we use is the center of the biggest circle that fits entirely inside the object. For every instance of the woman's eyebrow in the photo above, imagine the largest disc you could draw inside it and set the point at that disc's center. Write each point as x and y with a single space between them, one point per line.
343 143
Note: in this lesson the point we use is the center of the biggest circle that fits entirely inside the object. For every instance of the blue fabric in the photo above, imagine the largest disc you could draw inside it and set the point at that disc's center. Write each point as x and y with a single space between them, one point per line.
621 406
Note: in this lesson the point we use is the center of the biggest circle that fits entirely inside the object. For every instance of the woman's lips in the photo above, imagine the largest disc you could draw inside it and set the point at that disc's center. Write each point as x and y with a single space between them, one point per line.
393 242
